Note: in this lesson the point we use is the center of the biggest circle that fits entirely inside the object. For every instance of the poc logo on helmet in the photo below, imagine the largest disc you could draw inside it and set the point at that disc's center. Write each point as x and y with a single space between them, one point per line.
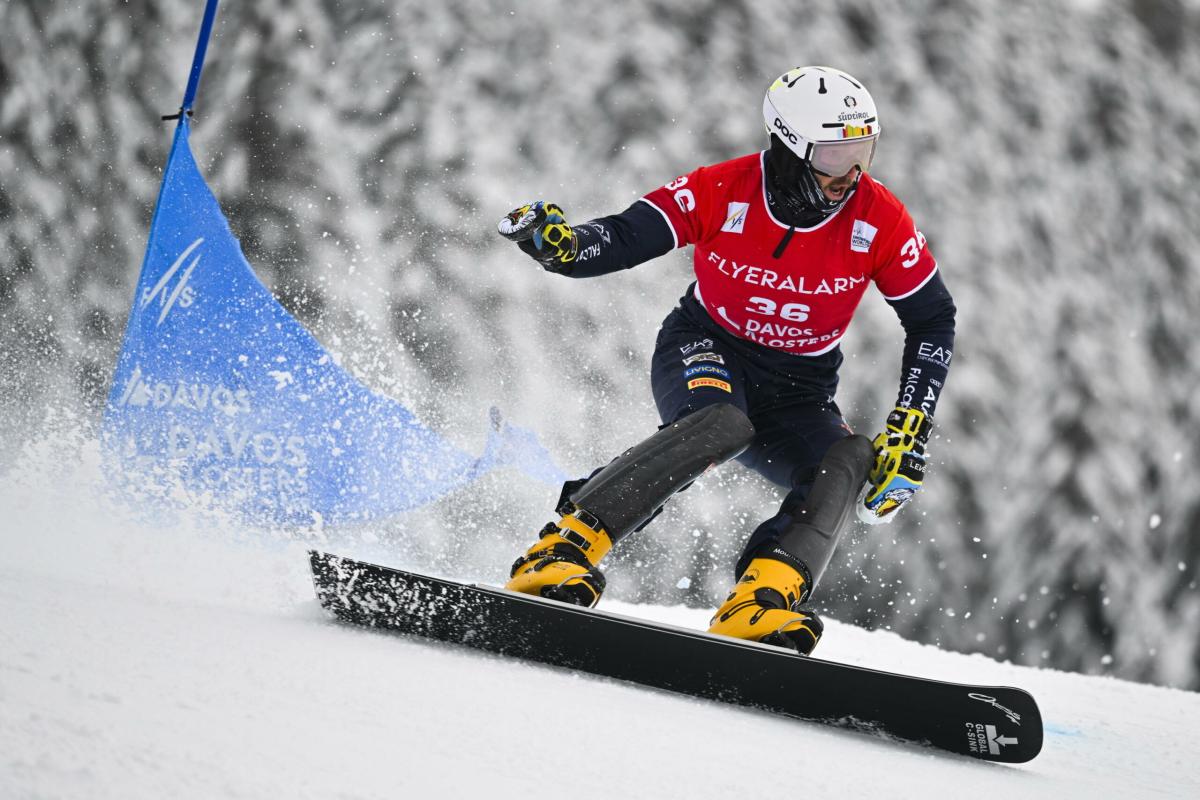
783 130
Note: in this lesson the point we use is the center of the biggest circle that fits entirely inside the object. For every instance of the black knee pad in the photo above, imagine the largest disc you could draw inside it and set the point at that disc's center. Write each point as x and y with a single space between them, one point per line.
634 485
812 534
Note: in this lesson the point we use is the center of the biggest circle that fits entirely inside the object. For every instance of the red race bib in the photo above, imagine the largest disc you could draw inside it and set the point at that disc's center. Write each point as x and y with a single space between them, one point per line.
802 301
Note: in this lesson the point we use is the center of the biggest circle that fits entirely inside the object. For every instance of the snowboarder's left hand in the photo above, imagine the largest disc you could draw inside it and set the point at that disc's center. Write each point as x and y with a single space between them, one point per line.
899 467
541 230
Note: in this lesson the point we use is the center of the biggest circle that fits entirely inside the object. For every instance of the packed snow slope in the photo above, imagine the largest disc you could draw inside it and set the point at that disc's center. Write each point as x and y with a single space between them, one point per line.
364 151
191 661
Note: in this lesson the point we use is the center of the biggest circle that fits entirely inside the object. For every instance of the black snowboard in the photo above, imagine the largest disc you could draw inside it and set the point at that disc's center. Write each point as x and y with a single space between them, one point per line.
994 723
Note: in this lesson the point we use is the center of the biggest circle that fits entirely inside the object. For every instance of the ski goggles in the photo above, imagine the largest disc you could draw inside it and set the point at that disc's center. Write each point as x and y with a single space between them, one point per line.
834 159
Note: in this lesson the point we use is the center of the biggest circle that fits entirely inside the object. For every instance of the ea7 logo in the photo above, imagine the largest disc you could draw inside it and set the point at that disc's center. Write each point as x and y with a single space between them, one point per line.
180 293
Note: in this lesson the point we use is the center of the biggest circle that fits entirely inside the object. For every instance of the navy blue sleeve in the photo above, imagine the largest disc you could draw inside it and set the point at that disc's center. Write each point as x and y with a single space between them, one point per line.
927 316
609 244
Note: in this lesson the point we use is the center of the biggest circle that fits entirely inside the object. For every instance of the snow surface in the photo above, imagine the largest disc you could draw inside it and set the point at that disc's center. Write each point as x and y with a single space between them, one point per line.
140 661
365 150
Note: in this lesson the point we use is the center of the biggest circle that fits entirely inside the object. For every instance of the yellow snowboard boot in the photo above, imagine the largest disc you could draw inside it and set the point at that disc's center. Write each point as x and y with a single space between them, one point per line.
764 606
562 564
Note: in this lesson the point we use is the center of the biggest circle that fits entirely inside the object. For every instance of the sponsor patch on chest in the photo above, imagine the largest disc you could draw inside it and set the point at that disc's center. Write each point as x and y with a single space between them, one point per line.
735 218
862 236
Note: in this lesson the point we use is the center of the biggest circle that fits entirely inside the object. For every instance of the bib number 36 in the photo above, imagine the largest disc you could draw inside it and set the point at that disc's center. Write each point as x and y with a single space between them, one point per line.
911 250
792 312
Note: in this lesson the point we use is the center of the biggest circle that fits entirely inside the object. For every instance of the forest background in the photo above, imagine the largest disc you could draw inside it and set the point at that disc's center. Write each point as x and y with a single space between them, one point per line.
364 151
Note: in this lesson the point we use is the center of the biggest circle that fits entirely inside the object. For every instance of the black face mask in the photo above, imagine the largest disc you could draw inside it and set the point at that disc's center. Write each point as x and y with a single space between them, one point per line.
793 193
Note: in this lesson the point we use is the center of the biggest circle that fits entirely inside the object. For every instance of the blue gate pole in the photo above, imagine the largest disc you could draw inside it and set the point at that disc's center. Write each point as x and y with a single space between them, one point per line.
189 95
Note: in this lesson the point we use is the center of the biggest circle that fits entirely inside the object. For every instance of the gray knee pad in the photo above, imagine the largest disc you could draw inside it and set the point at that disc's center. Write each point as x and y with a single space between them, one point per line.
634 486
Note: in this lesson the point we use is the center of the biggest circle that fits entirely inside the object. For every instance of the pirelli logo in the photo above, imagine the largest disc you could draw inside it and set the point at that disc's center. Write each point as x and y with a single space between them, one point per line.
716 383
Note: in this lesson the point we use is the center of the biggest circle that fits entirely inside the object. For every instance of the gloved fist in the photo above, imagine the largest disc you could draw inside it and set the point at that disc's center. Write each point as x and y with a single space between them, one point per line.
541 231
899 465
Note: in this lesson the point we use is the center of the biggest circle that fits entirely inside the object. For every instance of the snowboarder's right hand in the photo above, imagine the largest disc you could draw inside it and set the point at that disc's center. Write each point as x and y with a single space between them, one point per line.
541 230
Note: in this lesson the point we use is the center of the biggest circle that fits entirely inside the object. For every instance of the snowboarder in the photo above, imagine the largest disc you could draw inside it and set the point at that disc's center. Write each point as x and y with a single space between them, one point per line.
785 243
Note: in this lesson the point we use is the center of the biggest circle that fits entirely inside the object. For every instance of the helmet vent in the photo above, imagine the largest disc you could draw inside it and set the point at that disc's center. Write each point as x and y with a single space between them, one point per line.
793 83
822 90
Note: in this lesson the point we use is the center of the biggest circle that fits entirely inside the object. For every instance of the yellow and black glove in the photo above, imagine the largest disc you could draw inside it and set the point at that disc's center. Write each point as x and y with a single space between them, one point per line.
541 230
899 467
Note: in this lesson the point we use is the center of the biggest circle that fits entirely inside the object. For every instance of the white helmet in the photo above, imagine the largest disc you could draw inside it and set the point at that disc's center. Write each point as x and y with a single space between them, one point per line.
825 117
